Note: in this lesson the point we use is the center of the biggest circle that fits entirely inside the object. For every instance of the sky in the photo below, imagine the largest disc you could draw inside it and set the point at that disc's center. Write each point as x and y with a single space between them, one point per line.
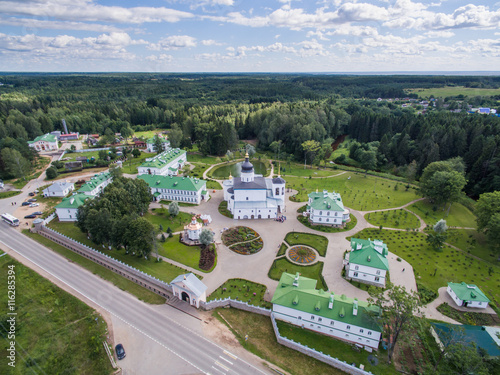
249 36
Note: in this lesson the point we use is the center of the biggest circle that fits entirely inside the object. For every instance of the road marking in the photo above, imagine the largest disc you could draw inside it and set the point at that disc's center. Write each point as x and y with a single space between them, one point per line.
215 368
221 365
227 360
230 354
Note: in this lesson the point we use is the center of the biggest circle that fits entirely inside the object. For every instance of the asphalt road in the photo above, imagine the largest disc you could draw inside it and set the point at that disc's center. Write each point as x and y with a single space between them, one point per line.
158 323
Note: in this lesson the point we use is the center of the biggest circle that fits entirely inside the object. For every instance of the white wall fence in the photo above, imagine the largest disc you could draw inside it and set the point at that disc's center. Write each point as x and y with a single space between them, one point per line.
341 365
139 277
236 304
49 218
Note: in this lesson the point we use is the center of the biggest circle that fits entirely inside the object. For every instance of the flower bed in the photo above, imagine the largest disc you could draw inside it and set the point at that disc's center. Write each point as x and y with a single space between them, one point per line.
247 248
238 234
302 254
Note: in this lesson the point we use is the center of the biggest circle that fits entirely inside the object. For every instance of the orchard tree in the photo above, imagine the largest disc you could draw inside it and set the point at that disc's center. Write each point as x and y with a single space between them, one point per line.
442 187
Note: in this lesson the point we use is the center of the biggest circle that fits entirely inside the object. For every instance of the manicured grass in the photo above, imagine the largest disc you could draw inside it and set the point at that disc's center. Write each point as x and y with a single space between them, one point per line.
459 215
147 134
130 165
400 219
88 154
435 269
454 91
336 348
296 169
359 192
242 290
262 342
282 250
313 272
199 158
162 270
472 242
223 210
180 204
320 243
124 284
161 216
211 185
187 255
8 194
470 318
55 332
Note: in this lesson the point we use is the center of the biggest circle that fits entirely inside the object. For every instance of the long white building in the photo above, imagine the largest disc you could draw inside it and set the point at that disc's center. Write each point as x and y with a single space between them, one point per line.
167 163
252 196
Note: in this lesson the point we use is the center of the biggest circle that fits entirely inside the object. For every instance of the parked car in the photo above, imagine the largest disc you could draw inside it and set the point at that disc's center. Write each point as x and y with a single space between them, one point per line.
120 352
31 194
32 200
30 216
25 204
34 205
38 213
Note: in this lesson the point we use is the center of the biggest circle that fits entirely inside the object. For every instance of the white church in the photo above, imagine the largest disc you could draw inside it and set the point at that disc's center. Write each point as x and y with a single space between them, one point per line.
252 196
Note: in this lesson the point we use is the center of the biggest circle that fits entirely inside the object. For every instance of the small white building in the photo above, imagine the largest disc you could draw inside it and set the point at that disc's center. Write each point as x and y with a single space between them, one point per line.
367 262
174 188
59 189
193 229
297 301
150 144
46 142
67 209
327 209
167 163
189 288
467 295
252 196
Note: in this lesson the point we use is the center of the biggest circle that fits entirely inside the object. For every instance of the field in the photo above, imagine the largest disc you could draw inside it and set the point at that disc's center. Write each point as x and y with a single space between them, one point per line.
297 169
199 158
473 242
147 134
358 191
55 332
160 216
73 155
435 269
454 91
130 166
400 219
458 216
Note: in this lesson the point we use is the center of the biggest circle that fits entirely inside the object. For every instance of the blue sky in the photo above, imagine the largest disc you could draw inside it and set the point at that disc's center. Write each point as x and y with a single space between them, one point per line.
249 36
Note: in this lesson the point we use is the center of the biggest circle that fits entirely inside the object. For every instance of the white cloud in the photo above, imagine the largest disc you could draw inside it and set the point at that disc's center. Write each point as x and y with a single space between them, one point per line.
440 34
160 58
32 23
210 42
174 42
87 10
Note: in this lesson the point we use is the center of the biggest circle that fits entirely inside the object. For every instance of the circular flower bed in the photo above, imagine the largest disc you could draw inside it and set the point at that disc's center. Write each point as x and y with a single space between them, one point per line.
238 234
302 254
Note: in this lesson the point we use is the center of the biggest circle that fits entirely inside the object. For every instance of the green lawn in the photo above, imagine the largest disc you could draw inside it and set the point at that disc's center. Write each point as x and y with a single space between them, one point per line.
213 185
358 191
199 158
8 194
282 250
55 333
223 210
450 265
474 242
320 243
121 282
297 169
458 216
130 166
441 92
161 216
73 155
336 348
147 134
162 270
400 219
187 255
243 290
313 272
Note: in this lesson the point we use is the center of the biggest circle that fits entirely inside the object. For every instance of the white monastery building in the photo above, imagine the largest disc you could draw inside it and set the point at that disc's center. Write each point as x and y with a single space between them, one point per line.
252 196
46 142
327 209
297 301
367 262
167 163
190 289
176 188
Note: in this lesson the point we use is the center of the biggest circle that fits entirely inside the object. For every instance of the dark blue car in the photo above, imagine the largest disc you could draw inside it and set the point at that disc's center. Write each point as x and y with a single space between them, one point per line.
120 352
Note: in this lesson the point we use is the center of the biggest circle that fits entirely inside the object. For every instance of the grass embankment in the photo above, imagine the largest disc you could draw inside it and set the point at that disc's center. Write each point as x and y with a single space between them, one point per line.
121 282
320 243
458 215
358 191
162 270
400 219
223 210
242 290
8 194
313 271
55 332
435 269
469 317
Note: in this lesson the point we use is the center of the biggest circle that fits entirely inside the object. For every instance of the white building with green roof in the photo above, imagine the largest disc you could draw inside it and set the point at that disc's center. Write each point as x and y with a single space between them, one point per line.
150 144
96 184
174 188
367 262
46 142
167 163
327 209
297 301
67 209
467 295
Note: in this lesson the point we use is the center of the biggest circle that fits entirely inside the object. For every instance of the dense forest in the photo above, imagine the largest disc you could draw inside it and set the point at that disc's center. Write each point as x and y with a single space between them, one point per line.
214 111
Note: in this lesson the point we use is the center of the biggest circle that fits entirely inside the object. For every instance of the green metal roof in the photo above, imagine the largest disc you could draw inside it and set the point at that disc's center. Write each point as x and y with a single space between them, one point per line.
326 201
74 201
164 158
300 293
46 137
152 140
95 182
468 292
173 182
369 253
